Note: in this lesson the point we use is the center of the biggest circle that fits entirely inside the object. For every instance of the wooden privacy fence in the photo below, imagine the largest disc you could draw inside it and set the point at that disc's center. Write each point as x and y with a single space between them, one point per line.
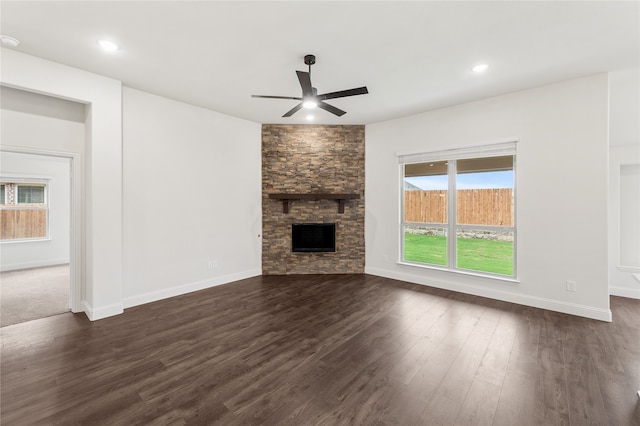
475 206
23 223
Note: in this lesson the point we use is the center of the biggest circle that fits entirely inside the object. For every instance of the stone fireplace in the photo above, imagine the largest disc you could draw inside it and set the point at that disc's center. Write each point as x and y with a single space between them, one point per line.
310 173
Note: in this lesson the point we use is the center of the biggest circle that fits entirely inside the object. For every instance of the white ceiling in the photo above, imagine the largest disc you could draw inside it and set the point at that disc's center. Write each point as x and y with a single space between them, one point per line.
413 56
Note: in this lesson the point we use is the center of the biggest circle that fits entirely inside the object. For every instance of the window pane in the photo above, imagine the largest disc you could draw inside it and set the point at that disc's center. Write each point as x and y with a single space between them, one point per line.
485 251
425 192
2 190
425 244
484 191
30 194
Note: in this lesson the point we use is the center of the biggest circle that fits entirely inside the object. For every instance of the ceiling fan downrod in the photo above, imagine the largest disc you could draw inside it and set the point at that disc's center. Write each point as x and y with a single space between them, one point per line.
309 60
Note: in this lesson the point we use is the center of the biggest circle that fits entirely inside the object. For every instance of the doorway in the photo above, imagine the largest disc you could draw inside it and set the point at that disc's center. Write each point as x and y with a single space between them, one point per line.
39 270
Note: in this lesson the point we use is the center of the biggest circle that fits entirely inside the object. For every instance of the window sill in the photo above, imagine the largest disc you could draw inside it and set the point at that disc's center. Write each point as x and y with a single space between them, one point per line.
462 272
25 240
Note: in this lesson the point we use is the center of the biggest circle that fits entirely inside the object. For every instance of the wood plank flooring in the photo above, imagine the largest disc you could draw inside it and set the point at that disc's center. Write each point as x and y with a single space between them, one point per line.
324 350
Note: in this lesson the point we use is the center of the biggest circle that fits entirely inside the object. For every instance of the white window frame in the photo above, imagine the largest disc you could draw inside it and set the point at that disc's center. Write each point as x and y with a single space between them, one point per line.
451 156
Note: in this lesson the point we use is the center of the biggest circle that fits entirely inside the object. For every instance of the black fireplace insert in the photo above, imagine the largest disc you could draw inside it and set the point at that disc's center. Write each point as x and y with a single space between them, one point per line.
313 237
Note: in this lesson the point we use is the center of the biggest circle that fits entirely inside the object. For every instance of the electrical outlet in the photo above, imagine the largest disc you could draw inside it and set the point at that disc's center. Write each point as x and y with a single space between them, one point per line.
572 286
211 264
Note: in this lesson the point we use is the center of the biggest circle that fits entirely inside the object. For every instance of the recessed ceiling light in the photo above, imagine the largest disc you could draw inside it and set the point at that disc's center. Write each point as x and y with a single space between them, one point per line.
310 117
108 46
9 41
480 68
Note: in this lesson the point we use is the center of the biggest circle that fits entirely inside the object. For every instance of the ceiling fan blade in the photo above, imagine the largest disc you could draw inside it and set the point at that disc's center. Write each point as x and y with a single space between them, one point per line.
305 83
331 109
276 97
344 93
293 110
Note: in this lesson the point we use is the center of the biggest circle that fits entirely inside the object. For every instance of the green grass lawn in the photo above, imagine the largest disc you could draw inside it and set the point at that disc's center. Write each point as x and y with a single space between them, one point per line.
473 253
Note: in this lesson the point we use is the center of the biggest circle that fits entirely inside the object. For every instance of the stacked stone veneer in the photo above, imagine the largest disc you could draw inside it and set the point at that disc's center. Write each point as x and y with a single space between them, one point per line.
312 159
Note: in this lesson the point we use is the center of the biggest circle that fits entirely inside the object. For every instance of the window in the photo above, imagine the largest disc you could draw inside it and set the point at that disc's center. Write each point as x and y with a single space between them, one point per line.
24 210
30 194
458 209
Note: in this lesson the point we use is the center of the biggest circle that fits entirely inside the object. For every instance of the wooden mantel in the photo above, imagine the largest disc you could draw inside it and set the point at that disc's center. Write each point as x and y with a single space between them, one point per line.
340 198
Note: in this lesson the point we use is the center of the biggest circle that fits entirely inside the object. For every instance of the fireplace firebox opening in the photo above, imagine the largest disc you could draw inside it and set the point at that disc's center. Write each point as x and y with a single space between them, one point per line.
313 237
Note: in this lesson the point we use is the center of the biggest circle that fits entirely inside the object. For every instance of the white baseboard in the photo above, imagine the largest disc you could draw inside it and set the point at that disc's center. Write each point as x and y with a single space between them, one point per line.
154 296
33 264
633 293
533 301
101 312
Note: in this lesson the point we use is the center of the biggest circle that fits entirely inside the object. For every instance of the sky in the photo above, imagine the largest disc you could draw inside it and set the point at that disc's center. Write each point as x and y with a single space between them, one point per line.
503 179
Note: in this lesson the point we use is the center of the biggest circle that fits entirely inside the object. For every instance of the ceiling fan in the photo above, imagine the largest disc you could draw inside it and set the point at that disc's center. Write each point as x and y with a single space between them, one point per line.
310 98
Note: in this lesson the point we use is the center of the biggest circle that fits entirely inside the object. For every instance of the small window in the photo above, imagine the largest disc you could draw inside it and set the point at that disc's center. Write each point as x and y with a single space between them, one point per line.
24 211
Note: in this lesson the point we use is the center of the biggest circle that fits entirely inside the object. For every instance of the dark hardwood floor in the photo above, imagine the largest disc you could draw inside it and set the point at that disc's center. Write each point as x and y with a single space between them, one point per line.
324 349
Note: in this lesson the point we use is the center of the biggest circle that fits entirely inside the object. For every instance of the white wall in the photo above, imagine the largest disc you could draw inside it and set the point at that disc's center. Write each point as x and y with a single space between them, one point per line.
624 198
100 259
562 173
192 194
55 249
174 153
41 122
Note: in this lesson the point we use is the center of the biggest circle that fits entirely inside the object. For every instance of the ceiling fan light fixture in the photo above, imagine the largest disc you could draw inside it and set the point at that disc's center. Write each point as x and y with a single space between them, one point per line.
309 103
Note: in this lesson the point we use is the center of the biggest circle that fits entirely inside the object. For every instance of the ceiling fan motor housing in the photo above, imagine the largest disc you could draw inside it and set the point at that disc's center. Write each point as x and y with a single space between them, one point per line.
309 59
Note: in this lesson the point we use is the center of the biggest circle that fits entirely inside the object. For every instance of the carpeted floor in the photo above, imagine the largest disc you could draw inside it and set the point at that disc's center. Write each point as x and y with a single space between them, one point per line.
30 294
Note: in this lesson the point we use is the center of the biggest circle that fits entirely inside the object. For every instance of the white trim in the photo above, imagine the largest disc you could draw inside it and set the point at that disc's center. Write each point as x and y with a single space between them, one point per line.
633 293
452 215
479 274
22 178
533 301
101 312
632 269
34 264
26 240
76 262
154 296
472 151
28 206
